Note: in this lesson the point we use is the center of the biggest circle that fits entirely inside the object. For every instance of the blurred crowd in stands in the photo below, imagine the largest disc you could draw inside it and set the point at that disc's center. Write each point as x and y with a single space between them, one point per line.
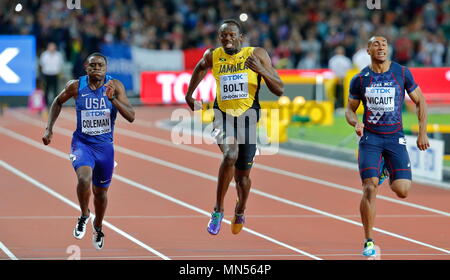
302 34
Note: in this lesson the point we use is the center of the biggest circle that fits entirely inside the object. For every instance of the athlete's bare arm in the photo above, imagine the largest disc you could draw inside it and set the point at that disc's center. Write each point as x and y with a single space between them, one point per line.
116 90
260 63
421 110
352 118
199 73
69 91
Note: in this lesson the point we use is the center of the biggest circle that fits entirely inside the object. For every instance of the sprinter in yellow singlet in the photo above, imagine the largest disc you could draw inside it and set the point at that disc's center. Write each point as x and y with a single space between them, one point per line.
238 71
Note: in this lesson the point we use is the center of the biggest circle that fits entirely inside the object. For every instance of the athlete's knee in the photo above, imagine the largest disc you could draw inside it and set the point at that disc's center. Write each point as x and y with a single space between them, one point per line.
99 193
369 188
243 181
84 180
230 156
402 194
401 189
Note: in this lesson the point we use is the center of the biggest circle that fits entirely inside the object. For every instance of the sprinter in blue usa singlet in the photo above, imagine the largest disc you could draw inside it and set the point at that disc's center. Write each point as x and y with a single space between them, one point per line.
98 98
92 142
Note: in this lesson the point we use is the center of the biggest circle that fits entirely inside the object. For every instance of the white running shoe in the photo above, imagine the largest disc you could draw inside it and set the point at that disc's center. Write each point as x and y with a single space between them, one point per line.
98 238
80 229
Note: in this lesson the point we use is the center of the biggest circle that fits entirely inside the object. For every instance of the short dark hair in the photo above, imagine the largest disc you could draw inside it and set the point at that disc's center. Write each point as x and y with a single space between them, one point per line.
233 21
371 39
96 54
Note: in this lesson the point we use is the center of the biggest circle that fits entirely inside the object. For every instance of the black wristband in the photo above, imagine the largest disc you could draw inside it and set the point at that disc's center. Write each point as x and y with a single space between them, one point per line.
111 99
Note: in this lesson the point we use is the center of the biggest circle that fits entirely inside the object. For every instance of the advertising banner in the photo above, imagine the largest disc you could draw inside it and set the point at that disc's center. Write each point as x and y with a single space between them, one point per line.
17 65
429 163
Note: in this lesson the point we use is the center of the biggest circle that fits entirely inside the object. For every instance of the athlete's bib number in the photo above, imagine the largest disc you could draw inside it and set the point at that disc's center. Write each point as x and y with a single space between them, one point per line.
380 99
234 86
95 122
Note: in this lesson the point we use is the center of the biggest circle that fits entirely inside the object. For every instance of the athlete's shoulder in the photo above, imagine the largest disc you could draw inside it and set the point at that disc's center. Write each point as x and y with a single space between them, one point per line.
210 51
72 84
258 50
261 53
118 83
365 72
395 66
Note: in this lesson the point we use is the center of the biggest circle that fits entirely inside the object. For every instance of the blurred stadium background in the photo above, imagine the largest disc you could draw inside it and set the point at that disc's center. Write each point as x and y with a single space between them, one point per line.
152 47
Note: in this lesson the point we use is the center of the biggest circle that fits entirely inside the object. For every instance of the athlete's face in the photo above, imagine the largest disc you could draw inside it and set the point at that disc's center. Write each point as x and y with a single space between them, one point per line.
96 68
378 49
230 38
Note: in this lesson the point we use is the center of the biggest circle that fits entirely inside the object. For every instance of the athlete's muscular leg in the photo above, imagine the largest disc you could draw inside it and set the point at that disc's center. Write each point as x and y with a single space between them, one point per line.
100 203
401 187
226 170
84 175
367 205
243 184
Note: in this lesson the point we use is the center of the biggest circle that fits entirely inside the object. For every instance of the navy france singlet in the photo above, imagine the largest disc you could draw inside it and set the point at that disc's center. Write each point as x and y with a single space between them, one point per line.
95 114
382 95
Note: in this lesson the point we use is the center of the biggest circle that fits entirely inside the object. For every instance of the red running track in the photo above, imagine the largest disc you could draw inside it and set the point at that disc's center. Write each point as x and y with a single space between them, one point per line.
162 193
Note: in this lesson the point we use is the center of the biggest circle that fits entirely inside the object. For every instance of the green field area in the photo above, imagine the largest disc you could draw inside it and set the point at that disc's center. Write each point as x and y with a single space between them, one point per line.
343 135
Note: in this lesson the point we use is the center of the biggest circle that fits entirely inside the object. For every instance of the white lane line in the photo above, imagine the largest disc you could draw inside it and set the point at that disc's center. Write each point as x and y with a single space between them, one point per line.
304 156
74 205
206 213
25 139
257 165
58 153
8 252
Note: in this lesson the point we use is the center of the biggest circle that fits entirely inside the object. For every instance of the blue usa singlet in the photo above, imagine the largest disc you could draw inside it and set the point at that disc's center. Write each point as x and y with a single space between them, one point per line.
95 113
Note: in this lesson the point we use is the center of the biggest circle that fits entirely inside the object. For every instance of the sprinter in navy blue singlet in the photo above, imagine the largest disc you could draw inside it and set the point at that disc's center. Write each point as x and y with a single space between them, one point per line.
381 88
98 98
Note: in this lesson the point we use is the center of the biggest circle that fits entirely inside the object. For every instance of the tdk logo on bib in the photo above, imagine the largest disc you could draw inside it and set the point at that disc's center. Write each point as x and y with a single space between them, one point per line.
379 90
233 77
95 113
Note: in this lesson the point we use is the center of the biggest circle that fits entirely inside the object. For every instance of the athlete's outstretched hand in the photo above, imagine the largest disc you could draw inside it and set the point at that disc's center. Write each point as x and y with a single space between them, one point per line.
422 142
47 138
194 104
359 129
